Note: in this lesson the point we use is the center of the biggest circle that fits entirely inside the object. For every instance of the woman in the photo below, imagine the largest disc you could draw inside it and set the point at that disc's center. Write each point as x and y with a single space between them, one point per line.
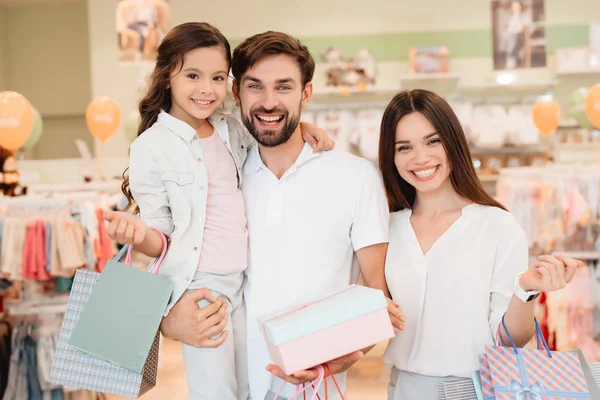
457 260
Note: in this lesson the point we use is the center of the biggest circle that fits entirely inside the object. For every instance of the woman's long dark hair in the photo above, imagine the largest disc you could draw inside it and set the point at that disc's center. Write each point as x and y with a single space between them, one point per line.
402 195
177 43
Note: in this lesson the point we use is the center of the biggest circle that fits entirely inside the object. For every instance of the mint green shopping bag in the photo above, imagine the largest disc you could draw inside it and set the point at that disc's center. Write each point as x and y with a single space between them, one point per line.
123 314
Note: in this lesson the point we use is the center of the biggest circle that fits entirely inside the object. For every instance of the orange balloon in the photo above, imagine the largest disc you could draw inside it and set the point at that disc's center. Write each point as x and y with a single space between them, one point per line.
103 117
546 116
592 105
16 120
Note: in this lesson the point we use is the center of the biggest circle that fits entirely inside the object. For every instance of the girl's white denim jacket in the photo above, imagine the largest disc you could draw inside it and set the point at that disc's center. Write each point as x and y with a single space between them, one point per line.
169 181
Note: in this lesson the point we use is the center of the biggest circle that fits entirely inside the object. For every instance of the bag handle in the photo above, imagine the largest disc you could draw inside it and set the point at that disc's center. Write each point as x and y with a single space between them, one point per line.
540 340
153 268
326 372
303 390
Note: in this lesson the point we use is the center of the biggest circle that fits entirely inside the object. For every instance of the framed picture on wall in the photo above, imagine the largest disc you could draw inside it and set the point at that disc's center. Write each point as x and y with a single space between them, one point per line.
519 34
141 26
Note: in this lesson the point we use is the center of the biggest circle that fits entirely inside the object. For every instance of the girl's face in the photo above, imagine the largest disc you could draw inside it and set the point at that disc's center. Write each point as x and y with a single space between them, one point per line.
200 85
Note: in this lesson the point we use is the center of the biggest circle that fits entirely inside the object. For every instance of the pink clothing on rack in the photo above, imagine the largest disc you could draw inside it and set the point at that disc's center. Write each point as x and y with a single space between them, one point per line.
28 249
41 261
34 252
56 267
70 249
579 315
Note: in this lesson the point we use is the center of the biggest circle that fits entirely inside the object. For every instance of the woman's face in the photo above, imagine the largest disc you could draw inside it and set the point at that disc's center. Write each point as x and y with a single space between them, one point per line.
420 157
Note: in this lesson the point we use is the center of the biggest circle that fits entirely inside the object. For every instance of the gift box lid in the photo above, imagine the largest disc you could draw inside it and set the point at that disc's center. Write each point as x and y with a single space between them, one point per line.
330 310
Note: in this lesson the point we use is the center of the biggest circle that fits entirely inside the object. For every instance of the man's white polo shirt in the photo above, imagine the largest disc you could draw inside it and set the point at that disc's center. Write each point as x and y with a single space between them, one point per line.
304 230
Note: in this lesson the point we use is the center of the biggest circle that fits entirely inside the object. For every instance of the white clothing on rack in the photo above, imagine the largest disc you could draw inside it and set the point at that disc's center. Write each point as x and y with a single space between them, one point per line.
489 126
521 128
339 125
367 131
307 117
464 112
455 295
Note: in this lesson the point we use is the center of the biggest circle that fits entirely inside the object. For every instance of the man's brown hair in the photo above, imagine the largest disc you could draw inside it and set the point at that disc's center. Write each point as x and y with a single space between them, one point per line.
254 48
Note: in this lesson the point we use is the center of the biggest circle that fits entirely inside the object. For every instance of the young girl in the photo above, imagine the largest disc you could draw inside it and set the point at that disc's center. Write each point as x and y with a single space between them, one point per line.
457 261
185 176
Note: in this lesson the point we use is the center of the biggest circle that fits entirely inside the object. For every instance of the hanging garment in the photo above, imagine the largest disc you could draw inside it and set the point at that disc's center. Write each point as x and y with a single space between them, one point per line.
17 372
5 353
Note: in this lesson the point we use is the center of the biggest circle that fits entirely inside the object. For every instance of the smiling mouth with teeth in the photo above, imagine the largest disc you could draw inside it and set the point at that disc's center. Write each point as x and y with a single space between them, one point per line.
203 102
271 120
425 173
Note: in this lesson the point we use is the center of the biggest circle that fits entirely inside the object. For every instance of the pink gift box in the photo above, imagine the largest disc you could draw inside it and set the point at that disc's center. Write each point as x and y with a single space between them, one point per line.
330 327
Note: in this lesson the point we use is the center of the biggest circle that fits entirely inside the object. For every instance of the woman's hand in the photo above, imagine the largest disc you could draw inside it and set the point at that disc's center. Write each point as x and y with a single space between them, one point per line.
549 273
396 316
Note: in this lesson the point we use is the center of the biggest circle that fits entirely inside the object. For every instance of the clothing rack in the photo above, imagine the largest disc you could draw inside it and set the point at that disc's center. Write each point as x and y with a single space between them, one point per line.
112 186
584 255
557 205
47 202
37 310
36 306
551 170
57 201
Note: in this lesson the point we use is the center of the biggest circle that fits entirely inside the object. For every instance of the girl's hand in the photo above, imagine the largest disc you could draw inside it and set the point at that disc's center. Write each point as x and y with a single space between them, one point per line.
316 137
125 228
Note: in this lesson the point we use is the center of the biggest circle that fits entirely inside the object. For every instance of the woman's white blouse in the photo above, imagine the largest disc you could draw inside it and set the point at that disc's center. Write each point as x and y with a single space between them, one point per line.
454 296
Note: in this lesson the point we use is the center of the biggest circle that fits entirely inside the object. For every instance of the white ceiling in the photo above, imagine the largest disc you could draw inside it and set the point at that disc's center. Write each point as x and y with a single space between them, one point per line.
35 2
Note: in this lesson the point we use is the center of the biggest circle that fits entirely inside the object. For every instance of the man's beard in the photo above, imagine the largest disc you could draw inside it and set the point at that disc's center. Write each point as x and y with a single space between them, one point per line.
268 137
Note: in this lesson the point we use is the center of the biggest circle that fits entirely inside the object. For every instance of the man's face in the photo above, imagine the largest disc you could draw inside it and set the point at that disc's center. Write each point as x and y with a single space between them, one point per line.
271 97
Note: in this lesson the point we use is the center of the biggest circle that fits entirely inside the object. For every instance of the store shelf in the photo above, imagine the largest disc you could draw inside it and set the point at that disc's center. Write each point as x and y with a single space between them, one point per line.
583 255
489 178
429 77
509 87
346 91
568 123
510 150
577 153
580 71
437 82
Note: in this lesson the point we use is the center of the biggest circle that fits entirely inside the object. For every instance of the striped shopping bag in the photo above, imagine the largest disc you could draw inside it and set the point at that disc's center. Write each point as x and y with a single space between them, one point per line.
535 374
487 390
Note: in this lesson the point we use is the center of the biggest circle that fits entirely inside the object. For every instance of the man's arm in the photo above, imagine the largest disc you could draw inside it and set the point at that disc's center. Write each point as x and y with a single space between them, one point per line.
371 260
195 326
372 268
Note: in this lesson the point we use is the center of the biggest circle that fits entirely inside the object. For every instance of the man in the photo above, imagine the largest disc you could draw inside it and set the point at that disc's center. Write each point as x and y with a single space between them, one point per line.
310 216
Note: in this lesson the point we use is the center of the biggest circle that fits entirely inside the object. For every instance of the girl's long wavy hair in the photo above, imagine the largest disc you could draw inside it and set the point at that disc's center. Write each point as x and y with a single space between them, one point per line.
177 43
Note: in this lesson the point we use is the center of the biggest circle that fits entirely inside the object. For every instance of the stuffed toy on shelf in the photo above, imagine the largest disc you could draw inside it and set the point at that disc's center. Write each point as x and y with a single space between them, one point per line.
9 175
359 71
